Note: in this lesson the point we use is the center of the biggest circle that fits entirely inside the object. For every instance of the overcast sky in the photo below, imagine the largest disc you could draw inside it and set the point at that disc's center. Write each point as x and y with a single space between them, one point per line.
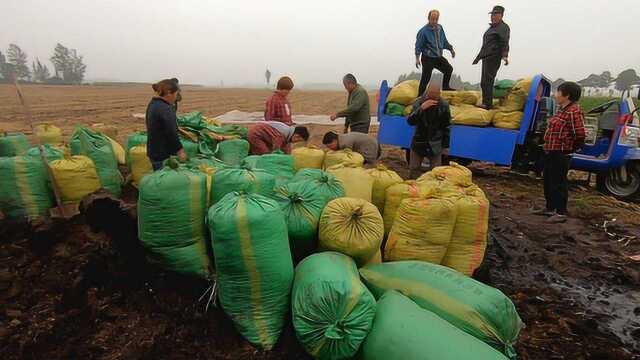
316 41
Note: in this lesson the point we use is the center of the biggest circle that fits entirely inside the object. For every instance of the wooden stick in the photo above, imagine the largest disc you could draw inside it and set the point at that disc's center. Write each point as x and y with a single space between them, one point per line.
29 117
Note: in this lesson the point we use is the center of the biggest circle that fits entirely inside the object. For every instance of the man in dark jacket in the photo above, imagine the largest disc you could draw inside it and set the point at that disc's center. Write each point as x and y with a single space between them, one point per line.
357 113
431 116
495 47
430 44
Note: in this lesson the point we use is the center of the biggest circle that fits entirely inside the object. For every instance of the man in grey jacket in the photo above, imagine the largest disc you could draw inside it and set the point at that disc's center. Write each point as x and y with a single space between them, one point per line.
365 145
495 48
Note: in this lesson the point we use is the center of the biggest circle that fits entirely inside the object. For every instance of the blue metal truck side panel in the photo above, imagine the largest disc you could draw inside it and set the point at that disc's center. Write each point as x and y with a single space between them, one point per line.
483 144
393 130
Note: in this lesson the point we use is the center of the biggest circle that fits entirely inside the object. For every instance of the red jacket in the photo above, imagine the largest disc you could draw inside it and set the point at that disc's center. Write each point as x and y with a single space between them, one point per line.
278 108
565 131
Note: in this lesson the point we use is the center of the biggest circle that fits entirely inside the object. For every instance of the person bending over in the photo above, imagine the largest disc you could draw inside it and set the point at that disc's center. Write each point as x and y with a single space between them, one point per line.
162 126
268 136
365 145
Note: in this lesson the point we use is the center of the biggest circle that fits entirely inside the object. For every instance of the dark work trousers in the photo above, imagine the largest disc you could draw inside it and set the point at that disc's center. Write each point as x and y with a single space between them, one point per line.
556 184
430 63
490 68
361 128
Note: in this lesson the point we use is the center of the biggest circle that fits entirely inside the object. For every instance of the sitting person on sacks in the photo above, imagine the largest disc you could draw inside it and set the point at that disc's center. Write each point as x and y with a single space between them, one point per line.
365 145
268 136
432 117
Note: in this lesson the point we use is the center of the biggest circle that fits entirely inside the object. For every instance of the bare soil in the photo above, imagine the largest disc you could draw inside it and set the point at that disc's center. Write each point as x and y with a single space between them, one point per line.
71 290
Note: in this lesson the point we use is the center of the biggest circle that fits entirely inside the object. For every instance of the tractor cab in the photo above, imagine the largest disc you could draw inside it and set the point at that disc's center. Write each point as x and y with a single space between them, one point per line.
611 149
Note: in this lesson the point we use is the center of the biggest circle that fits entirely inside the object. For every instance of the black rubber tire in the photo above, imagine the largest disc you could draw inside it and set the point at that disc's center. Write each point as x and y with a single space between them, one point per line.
603 185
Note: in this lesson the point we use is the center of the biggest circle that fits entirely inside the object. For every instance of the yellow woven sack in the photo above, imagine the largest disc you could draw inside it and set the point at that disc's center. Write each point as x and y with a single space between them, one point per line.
118 151
353 227
448 96
107 130
140 163
394 196
382 179
469 238
474 116
212 121
422 229
308 157
343 157
465 98
404 93
407 110
355 180
508 120
453 173
76 177
49 134
517 97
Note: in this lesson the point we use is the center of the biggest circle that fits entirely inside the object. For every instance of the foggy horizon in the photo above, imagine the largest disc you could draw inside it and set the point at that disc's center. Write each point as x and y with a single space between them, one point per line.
211 42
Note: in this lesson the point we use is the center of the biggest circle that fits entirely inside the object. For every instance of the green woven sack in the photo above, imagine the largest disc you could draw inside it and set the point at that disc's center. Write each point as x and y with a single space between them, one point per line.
190 148
253 265
233 151
325 184
395 109
332 310
135 139
302 206
403 330
172 205
241 179
98 148
23 187
13 144
475 308
51 153
207 162
502 88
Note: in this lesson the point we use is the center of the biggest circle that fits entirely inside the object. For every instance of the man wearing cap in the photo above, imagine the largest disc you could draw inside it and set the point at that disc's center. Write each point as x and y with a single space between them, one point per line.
430 44
495 48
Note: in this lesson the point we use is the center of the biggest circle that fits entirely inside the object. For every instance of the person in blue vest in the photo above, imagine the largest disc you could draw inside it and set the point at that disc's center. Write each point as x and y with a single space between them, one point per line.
430 45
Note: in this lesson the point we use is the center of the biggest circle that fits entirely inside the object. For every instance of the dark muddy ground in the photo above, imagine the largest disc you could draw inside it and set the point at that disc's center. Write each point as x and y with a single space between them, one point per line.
69 293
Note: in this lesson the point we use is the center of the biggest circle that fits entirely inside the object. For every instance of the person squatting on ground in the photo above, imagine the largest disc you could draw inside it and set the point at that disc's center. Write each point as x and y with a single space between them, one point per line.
162 126
277 107
430 44
357 113
268 136
431 116
495 47
565 134
365 145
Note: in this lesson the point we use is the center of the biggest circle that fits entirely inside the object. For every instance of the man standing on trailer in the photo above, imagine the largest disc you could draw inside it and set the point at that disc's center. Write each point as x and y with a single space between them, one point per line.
495 48
430 44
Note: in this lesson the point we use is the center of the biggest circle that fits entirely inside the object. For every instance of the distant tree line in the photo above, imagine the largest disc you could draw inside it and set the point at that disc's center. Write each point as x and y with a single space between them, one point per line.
68 66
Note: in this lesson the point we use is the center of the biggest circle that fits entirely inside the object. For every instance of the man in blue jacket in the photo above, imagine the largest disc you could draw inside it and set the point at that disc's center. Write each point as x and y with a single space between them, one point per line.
430 43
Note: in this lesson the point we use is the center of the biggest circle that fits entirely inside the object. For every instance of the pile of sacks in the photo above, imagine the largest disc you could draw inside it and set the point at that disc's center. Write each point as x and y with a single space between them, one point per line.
303 233
506 115
464 105
87 164
91 158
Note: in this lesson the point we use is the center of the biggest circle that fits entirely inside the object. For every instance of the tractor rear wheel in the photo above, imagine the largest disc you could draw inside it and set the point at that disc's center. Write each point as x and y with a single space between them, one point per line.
622 182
